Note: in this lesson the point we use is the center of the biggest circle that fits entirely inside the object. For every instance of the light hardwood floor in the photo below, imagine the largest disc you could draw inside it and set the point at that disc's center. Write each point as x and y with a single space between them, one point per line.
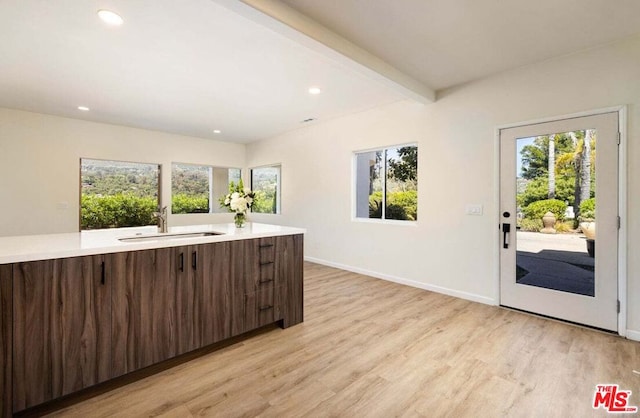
371 348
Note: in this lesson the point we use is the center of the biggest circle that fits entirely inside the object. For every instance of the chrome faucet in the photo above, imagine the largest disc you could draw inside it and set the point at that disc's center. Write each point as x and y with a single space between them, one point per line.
162 220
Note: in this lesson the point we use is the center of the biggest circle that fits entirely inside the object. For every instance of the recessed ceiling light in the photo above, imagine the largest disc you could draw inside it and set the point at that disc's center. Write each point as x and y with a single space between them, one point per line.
314 90
110 18
83 108
216 131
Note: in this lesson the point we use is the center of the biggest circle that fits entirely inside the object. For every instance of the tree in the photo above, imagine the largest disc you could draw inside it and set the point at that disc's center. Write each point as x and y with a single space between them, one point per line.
538 189
585 168
572 169
535 161
580 162
535 157
406 168
551 170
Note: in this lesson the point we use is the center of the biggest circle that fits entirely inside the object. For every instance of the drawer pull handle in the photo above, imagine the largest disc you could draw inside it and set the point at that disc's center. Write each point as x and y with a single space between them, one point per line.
266 263
266 245
103 273
194 260
265 281
266 308
181 262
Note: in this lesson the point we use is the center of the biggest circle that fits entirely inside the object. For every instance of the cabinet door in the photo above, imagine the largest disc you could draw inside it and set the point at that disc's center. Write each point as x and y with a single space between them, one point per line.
187 263
214 292
144 310
6 339
241 261
289 270
61 341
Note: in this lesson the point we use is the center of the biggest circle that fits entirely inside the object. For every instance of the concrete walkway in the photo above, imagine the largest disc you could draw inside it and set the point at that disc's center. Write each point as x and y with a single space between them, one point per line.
552 262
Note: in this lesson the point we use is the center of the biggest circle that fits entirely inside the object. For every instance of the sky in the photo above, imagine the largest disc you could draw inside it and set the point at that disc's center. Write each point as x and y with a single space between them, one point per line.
521 143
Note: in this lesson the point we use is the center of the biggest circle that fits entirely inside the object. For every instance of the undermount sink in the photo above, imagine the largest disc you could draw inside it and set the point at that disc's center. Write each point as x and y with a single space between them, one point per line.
163 237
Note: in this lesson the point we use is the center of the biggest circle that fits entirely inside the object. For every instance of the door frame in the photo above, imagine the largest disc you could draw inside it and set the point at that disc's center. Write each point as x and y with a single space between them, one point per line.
622 202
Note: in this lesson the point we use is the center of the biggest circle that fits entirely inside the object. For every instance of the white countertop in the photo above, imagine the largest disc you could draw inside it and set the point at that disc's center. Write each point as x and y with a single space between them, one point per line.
45 247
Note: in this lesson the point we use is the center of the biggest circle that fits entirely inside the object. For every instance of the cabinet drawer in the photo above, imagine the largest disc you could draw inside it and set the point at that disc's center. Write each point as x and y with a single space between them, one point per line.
266 275
266 250
262 307
262 272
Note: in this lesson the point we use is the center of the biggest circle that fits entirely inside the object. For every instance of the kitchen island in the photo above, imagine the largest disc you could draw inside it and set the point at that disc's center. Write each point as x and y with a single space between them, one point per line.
83 308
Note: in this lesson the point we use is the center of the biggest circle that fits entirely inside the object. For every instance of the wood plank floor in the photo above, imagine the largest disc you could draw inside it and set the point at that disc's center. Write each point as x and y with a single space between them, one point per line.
371 348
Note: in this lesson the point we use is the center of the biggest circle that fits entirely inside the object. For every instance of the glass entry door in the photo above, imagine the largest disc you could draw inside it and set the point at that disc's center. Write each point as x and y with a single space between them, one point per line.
558 181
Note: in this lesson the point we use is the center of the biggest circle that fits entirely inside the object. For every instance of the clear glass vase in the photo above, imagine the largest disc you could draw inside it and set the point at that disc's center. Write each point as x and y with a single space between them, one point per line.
239 219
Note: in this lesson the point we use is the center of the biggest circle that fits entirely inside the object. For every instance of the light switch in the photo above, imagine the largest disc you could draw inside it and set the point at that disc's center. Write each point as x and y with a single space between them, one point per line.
474 209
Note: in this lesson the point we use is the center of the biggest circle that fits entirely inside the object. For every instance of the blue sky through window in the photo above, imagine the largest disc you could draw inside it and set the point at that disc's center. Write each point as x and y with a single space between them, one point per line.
521 143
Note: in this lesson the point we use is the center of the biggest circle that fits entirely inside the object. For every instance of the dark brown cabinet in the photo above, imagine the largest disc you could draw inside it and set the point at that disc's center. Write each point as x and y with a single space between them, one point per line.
6 340
214 290
61 328
144 312
289 267
71 323
256 286
188 332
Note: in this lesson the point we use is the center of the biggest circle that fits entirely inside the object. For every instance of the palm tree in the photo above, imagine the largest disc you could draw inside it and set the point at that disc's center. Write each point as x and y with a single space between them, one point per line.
552 167
581 159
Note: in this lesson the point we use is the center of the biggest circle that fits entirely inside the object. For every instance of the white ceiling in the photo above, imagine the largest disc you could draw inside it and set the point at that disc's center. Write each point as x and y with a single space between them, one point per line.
185 67
193 66
448 42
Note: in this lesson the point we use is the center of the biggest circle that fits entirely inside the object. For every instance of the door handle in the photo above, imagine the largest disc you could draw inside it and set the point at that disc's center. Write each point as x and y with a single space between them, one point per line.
506 229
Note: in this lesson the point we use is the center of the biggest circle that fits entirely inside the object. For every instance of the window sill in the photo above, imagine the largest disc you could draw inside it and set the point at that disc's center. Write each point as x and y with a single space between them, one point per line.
385 222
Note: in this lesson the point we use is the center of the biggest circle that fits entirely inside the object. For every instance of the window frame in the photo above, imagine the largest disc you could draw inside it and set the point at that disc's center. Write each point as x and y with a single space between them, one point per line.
354 187
160 196
278 187
213 199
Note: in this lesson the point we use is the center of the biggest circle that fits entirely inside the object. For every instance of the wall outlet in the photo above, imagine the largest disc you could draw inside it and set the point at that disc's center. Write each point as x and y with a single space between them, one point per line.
474 209
62 205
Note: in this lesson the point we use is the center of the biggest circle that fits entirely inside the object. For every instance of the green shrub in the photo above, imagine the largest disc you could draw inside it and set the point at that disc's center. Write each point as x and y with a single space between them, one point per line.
407 200
400 205
536 210
375 208
530 225
183 203
538 189
566 226
120 210
265 201
588 209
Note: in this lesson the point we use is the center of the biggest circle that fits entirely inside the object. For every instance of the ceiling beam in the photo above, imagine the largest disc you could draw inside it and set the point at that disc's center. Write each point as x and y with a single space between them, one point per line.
300 28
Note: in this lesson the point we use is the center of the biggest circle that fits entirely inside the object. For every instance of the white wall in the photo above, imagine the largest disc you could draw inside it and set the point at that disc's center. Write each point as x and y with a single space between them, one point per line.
40 157
448 250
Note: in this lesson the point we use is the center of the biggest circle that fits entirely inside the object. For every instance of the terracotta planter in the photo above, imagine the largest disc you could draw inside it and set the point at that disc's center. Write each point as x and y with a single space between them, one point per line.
588 229
548 221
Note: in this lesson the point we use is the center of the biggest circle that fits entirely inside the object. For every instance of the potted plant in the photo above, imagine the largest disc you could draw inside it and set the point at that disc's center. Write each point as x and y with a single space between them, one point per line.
238 200
587 220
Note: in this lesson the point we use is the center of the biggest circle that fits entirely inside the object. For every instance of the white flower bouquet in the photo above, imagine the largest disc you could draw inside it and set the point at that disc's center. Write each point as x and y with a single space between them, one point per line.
238 200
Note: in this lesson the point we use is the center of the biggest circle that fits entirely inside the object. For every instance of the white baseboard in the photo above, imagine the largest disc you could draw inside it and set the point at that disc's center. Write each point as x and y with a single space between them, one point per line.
438 289
633 335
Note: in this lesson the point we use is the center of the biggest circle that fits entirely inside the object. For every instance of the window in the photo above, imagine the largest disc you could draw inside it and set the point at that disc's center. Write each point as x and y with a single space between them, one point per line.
118 194
196 188
265 182
387 183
